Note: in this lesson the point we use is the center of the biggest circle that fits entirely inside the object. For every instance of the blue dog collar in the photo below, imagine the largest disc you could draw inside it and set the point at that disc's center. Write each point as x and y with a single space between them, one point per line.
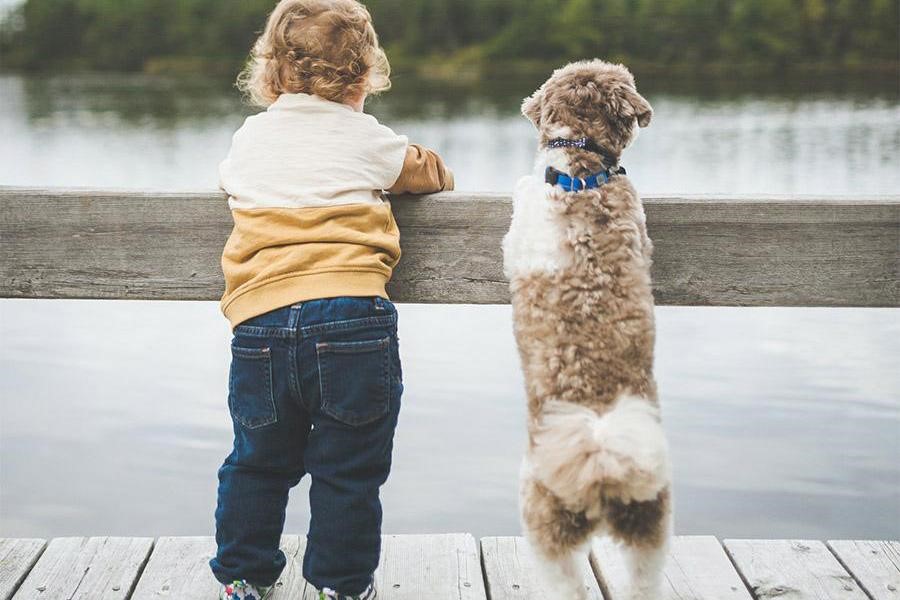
578 184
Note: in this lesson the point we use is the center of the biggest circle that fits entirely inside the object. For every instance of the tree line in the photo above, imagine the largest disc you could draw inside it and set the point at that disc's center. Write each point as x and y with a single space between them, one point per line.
126 34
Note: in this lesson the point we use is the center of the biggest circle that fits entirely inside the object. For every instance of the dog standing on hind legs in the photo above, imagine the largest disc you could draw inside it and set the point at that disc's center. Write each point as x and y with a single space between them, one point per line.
578 258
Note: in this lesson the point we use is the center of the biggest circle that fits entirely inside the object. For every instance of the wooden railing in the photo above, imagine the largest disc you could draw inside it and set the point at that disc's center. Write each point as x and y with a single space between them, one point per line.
712 251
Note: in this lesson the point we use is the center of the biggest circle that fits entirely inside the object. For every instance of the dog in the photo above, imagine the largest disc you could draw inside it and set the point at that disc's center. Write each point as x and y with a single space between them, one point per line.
578 258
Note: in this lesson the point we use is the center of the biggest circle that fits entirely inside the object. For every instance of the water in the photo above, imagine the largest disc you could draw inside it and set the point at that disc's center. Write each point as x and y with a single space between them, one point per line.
783 422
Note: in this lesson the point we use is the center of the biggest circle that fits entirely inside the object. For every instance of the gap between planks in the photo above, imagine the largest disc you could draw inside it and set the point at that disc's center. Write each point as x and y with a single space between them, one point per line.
798 569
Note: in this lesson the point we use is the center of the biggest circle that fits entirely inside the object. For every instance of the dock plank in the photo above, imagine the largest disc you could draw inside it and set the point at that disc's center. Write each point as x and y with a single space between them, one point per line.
609 568
874 564
17 557
179 568
291 585
449 567
798 569
697 569
97 568
438 567
510 571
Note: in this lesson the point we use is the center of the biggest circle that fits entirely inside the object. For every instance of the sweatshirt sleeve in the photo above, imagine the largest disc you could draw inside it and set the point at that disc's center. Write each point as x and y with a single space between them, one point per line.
423 172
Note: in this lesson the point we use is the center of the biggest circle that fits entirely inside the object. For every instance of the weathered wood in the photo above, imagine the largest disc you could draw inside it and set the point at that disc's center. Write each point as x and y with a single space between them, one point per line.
697 569
415 566
735 251
97 568
447 567
438 567
16 559
875 565
179 568
510 571
291 585
800 570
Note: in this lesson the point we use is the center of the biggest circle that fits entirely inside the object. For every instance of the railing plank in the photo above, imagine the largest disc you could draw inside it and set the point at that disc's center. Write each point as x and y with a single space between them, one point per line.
874 564
729 251
97 568
16 559
801 570
697 569
510 571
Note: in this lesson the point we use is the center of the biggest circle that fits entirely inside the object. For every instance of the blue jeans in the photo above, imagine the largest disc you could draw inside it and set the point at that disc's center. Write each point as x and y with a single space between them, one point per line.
314 388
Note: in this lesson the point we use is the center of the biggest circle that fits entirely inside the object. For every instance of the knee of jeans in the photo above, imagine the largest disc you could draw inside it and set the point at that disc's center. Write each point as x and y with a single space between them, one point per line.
272 460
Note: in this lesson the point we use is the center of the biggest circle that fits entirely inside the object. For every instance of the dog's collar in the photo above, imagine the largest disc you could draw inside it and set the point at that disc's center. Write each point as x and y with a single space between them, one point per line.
578 184
609 158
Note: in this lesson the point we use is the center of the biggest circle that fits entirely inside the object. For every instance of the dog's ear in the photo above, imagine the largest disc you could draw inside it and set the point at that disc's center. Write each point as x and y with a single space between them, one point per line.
631 105
532 107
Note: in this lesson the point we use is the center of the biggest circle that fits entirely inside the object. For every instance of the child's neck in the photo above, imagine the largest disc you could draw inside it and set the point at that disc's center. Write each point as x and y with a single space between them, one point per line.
356 104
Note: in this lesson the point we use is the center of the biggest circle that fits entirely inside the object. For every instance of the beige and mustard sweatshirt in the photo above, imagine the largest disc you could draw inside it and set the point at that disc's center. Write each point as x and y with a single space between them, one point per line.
306 181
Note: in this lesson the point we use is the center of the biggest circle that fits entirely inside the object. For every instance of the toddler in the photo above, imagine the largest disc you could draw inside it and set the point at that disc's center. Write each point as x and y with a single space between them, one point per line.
315 380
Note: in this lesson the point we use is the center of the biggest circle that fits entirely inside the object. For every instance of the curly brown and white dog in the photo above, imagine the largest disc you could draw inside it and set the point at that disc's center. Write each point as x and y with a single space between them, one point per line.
578 259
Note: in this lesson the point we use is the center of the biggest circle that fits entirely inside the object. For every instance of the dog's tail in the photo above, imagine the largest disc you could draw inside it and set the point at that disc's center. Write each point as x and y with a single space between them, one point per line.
578 453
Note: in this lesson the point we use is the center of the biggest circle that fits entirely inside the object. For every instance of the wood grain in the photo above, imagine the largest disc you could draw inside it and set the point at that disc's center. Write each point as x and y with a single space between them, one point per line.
875 565
726 251
795 569
510 571
437 567
697 569
179 568
291 585
97 568
414 566
17 557
447 567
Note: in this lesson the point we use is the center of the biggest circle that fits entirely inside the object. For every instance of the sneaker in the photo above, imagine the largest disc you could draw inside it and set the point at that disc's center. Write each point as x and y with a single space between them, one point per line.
370 593
241 590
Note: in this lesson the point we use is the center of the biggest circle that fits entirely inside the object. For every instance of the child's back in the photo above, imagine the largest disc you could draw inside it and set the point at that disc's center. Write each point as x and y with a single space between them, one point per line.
305 181
315 381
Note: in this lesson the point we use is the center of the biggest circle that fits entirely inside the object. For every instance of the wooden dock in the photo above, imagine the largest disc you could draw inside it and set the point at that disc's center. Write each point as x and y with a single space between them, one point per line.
456 567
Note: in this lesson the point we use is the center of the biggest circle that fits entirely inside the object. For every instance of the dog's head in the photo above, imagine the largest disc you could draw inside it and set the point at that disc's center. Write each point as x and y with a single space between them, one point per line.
592 99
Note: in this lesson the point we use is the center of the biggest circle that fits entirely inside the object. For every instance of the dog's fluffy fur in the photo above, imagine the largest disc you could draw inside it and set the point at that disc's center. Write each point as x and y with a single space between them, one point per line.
579 267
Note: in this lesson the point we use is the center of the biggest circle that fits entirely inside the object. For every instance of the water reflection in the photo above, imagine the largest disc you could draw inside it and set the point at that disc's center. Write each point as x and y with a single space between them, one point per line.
114 420
163 133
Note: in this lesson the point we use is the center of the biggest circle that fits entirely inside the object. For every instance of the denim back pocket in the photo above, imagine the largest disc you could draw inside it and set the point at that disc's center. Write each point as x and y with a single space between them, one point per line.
355 380
250 397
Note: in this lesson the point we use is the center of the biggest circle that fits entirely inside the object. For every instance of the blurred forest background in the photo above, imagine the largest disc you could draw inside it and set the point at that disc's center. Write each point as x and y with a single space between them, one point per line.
443 36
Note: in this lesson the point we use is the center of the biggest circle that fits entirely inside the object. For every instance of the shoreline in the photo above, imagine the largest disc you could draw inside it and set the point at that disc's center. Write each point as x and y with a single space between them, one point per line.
463 68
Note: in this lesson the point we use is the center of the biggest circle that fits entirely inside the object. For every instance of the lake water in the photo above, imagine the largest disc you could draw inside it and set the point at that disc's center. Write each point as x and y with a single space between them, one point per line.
783 422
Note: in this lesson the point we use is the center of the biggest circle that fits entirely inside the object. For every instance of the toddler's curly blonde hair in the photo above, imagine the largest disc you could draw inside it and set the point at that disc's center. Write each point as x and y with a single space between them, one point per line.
324 47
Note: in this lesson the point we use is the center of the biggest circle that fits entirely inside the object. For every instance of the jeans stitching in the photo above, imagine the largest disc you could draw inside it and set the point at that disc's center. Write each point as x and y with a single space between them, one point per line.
264 332
349 325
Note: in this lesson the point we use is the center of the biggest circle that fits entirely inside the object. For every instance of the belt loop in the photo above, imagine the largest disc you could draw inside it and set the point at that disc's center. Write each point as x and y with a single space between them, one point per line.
379 303
294 318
